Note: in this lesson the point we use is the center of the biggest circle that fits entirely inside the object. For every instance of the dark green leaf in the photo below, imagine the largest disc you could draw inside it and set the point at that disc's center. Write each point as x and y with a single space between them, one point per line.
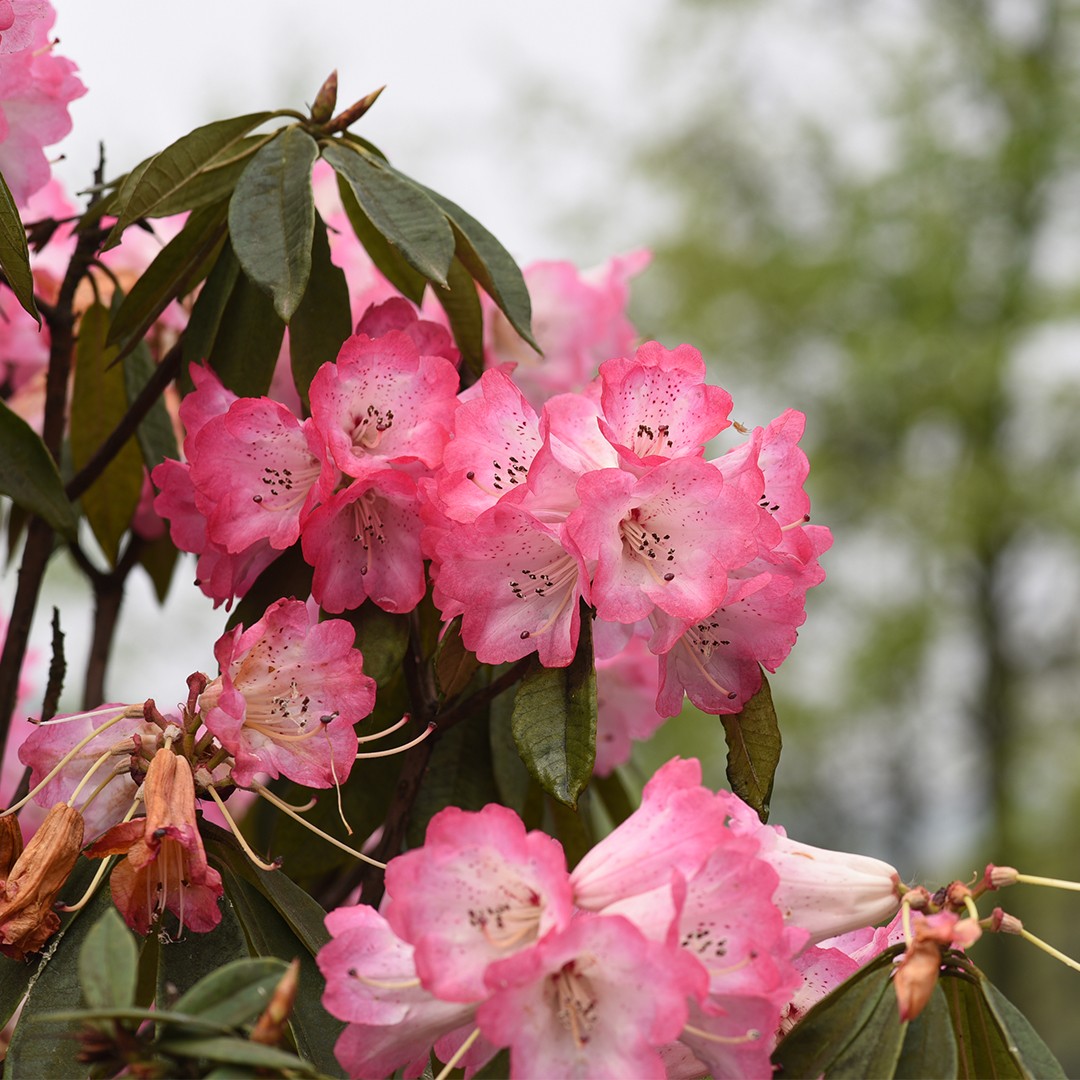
174 272
155 434
824 1034
235 993
216 181
287 575
323 320
554 721
314 1030
108 963
929 1045
1027 1048
29 476
159 559
14 252
983 1050
459 774
206 313
753 740
248 340
98 402
490 263
399 209
136 1014
462 306
272 217
454 664
570 828
386 258
382 637
616 799
235 1052
178 164
515 783
35 1049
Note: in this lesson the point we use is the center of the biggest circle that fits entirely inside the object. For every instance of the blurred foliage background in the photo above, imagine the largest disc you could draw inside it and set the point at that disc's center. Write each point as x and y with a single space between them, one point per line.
871 212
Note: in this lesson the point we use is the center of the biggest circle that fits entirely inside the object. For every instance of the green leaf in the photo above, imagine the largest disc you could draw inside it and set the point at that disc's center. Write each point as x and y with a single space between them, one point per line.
235 993
178 164
554 721
461 303
155 434
454 664
159 559
613 794
382 637
30 477
175 271
516 785
831 1031
206 313
35 1049
272 218
571 829
385 257
248 340
1026 1047
323 320
753 741
287 575
398 208
98 402
15 253
216 182
929 1045
492 266
108 963
235 1052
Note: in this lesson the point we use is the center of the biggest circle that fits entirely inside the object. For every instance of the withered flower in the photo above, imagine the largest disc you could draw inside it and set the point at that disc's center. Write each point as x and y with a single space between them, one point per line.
27 919
166 864
11 844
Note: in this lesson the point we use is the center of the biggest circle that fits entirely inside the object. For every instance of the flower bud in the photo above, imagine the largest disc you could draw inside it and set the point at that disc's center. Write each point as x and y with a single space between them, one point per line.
322 108
917 975
27 920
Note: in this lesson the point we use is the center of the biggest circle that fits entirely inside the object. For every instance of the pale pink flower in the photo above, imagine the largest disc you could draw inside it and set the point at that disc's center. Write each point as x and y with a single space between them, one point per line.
625 704
290 693
478 890
824 892
371 983
595 999
18 19
36 87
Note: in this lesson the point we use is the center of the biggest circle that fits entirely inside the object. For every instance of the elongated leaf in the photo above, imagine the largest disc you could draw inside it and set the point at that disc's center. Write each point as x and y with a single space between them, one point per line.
98 402
108 963
382 637
492 266
206 314
824 1033
178 164
235 1052
155 433
159 558
1026 1047
554 722
216 181
173 273
753 741
462 306
29 476
454 664
248 340
234 993
323 320
386 257
14 252
272 216
399 209
929 1045
875 1049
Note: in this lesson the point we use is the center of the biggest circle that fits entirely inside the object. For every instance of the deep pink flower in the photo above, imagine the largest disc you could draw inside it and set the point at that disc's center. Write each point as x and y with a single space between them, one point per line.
365 542
254 469
382 403
371 982
396 313
290 692
595 999
36 87
478 890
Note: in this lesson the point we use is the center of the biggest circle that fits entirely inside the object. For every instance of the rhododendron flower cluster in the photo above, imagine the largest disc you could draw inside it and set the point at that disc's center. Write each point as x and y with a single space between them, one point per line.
672 930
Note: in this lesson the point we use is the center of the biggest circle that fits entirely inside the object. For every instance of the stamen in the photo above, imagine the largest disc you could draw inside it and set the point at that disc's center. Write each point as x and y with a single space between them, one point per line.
275 865
284 807
461 1051
385 731
383 984
400 749
123 771
337 787
795 524
1068 961
689 641
752 1035
1053 883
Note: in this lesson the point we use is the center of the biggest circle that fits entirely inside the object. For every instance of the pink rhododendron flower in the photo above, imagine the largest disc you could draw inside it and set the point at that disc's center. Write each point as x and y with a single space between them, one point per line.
290 693
36 87
479 889
371 982
396 313
165 864
825 892
595 999
383 403
625 704
18 19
